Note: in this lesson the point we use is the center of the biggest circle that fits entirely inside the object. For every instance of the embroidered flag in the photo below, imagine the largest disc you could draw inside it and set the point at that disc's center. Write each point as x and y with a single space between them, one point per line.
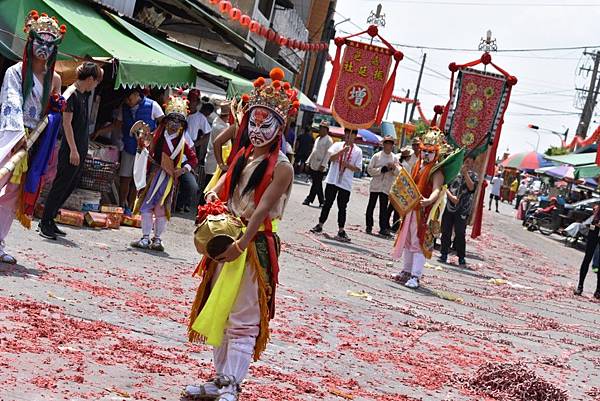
363 76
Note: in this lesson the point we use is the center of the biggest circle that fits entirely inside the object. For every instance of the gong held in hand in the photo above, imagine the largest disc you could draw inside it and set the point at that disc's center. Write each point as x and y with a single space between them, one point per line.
142 133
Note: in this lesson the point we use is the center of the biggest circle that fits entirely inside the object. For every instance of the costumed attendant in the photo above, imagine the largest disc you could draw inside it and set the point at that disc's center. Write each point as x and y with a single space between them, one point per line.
415 238
169 157
236 297
24 98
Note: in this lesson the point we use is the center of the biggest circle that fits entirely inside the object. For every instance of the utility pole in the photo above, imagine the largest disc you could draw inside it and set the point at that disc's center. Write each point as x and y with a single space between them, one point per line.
416 98
405 116
590 102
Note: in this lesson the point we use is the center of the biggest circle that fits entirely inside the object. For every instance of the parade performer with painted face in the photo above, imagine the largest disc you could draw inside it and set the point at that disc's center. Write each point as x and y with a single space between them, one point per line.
415 238
236 297
27 89
169 157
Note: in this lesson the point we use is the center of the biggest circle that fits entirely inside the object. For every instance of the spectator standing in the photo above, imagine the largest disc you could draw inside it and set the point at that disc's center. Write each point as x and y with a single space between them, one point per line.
514 186
317 164
135 107
304 145
384 168
346 159
591 244
74 146
521 192
461 193
497 183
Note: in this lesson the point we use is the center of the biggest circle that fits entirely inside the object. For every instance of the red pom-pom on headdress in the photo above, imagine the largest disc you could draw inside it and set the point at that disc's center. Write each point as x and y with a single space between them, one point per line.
277 74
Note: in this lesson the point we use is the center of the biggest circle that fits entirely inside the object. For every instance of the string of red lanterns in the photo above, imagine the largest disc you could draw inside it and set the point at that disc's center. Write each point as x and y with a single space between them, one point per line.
235 14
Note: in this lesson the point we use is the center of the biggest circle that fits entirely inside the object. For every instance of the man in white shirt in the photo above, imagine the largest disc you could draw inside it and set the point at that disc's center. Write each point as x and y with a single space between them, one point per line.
384 168
198 126
317 164
497 183
521 192
346 159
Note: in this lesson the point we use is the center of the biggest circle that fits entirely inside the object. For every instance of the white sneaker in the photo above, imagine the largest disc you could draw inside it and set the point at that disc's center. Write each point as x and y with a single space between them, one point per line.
413 283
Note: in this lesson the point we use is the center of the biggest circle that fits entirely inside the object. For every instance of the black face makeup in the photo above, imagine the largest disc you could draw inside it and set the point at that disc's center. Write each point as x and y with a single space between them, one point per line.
173 126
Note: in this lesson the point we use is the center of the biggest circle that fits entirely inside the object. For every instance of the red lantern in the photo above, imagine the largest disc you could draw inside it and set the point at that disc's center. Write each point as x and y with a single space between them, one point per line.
224 6
254 26
235 14
214 1
270 35
263 31
245 20
294 44
277 38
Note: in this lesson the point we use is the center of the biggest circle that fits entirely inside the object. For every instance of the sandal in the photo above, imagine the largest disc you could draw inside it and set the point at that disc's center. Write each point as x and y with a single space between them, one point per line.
200 392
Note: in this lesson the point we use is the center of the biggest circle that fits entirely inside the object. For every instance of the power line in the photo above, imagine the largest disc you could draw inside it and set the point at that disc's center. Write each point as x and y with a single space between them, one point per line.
481 4
423 47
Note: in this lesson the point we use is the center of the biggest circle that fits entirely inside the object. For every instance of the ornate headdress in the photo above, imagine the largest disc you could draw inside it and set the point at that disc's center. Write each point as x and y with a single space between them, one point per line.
178 105
276 95
433 139
37 24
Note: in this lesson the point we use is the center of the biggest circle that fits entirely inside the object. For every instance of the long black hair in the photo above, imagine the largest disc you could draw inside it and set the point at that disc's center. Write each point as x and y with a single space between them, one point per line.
257 175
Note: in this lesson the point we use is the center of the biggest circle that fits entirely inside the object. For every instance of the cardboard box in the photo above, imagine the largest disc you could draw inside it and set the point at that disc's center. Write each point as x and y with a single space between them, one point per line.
113 220
95 219
132 221
70 218
111 209
38 212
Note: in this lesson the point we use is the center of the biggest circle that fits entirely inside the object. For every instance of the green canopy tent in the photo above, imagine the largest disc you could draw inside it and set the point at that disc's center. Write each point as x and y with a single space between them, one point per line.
90 34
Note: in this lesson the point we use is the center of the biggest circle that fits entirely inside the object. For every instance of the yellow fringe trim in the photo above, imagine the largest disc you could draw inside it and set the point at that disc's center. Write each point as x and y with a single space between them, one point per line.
204 290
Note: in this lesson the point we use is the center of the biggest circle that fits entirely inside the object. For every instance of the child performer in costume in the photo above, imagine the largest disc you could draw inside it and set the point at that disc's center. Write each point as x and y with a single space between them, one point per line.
416 234
236 298
24 99
170 157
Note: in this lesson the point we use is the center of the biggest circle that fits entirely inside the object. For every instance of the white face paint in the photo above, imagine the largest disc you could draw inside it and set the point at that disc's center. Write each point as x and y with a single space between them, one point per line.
427 155
43 46
263 126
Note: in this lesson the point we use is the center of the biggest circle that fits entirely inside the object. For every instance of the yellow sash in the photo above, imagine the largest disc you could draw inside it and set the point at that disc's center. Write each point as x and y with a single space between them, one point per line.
212 319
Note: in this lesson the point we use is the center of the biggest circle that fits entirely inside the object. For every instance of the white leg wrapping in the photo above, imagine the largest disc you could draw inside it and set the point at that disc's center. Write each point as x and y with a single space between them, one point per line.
220 356
239 356
147 224
159 226
407 259
9 195
418 264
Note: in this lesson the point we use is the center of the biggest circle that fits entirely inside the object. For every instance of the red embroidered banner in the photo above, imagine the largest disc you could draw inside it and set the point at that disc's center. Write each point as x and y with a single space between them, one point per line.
363 75
478 103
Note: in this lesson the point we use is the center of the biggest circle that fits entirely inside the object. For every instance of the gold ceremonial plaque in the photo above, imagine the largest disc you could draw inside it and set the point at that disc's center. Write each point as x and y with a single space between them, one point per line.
404 194
142 132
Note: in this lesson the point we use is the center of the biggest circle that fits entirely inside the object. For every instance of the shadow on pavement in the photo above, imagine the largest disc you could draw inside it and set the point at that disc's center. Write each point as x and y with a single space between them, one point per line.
18 270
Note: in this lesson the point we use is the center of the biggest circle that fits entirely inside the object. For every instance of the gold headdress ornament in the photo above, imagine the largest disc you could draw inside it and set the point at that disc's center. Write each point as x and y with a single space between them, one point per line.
177 104
37 24
276 95
434 138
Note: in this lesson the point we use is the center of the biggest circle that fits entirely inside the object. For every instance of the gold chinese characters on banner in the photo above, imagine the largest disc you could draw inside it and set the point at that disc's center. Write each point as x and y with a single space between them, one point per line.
363 74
